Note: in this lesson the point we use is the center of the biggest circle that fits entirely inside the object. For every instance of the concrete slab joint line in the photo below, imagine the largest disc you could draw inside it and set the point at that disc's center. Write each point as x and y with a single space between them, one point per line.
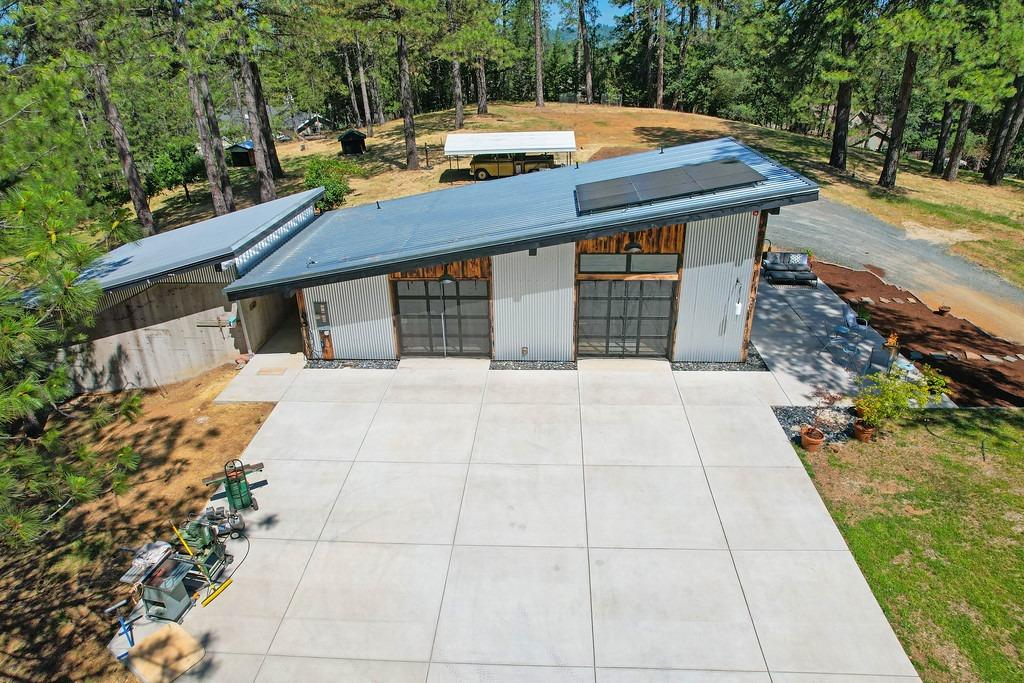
531 529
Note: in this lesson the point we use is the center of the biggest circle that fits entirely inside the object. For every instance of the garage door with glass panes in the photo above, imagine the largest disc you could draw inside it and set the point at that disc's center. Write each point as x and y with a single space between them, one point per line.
626 304
443 317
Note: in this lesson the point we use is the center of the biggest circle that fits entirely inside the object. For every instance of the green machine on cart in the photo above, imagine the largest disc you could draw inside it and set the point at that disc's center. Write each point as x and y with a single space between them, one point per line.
237 487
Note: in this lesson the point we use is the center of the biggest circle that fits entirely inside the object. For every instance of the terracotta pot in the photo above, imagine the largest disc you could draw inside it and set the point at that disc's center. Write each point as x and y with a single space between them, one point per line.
863 432
811 438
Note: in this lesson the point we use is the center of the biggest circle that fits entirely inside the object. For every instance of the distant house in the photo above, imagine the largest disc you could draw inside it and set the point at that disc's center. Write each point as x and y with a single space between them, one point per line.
869 131
315 124
352 142
241 153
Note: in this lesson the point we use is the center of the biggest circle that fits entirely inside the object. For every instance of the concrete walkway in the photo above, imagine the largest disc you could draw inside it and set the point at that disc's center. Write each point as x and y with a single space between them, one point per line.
444 522
791 330
853 238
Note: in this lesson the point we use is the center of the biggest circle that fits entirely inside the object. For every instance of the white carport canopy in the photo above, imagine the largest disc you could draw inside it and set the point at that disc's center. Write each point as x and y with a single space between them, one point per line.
467 144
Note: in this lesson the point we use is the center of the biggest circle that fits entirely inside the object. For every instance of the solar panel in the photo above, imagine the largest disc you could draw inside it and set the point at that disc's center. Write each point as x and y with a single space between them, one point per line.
671 183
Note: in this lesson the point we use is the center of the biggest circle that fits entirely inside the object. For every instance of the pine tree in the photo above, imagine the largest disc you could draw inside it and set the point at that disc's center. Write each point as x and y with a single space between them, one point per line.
538 53
98 68
49 231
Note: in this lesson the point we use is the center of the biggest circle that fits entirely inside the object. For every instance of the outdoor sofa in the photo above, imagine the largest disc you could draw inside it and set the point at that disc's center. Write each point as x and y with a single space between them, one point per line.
788 268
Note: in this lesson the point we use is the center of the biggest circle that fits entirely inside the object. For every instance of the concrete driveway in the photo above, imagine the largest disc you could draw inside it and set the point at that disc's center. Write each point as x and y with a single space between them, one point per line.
443 522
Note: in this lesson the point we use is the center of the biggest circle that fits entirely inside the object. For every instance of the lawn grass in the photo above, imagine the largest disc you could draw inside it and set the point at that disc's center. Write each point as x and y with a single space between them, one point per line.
934 515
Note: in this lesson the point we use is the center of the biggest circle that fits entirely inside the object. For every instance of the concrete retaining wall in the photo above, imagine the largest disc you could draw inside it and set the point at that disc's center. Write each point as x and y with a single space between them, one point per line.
168 333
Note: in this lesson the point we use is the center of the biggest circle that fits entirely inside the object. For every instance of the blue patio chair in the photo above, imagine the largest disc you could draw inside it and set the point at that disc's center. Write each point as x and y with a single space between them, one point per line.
844 333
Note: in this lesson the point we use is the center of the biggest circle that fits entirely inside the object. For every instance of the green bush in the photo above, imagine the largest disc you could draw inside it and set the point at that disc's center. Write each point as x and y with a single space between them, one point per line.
331 174
887 397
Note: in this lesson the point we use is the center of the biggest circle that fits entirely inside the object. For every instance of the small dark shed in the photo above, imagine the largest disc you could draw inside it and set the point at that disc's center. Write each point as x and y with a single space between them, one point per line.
241 154
352 142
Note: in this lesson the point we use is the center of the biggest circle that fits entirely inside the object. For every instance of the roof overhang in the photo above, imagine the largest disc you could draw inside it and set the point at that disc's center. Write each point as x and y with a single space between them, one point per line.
235 292
215 256
467 144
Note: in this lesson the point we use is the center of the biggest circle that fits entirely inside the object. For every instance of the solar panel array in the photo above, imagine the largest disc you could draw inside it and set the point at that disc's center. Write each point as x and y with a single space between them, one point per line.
657 186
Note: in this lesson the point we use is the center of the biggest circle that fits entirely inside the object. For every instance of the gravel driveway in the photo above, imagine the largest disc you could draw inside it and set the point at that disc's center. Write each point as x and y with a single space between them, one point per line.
850 237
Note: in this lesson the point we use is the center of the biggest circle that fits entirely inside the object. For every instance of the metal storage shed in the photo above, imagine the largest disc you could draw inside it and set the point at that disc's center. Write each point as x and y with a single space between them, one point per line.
468 144
241 153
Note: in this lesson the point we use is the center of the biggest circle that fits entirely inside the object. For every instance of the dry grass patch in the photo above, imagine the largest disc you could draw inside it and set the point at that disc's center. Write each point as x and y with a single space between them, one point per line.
994 216
52 626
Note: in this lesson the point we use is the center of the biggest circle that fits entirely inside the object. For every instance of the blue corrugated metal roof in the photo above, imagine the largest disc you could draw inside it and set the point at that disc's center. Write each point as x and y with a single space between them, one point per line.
244 144
215 239
507 215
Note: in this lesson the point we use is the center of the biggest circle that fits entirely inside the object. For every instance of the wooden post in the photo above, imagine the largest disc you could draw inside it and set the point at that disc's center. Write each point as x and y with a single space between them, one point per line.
300 301
762 230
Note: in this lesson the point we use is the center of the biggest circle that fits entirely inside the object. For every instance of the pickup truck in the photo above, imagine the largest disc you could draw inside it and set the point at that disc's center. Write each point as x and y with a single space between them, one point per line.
486 166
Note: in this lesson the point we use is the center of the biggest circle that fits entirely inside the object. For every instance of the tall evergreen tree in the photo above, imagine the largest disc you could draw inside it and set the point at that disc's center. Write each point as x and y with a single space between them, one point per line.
101 82
538 53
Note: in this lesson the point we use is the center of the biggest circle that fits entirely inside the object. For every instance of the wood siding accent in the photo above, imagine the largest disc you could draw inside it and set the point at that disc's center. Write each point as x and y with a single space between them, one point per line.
327 345
627 276
300 301
667 239
471 269
396 335
762 229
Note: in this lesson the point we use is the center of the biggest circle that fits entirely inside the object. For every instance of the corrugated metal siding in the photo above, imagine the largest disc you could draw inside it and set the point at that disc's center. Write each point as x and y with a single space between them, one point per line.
360 311
197 276
718 252
259 251
202 276
533 300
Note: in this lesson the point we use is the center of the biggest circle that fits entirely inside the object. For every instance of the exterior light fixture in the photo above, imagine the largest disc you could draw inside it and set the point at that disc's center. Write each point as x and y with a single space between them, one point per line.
446 278
633 247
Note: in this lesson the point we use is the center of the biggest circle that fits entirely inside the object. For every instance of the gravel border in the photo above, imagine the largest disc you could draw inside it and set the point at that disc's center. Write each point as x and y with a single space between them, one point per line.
532 365
314 364
754 363
837 426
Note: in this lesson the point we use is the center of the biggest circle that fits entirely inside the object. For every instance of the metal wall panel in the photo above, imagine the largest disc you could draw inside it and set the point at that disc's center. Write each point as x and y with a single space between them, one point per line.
251 257
360 312
533 304
718 261
203 275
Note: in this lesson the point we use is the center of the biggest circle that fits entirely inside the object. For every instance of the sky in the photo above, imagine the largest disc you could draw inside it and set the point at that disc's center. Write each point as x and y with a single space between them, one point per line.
608 12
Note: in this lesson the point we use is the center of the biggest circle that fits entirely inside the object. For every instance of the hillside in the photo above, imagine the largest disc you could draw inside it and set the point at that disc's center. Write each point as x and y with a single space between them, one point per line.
985 224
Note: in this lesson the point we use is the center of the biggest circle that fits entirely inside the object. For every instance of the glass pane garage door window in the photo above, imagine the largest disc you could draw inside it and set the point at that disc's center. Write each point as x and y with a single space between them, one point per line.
625 317
443 320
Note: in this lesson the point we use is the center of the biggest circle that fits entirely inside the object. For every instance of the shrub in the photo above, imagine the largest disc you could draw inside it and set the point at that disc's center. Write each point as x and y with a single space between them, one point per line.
889 396
331 174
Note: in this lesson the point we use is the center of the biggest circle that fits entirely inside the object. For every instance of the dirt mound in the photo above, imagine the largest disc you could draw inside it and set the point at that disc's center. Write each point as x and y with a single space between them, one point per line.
973 381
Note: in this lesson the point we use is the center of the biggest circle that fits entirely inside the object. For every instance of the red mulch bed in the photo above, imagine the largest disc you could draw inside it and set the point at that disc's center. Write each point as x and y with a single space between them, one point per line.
972 382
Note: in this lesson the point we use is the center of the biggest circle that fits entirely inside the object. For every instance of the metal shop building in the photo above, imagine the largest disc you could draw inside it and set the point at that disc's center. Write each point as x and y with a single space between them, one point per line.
654 254
164 316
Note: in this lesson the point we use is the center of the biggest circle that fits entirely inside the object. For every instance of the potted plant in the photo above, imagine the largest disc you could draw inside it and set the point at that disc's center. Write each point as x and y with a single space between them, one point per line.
885 397
812 436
